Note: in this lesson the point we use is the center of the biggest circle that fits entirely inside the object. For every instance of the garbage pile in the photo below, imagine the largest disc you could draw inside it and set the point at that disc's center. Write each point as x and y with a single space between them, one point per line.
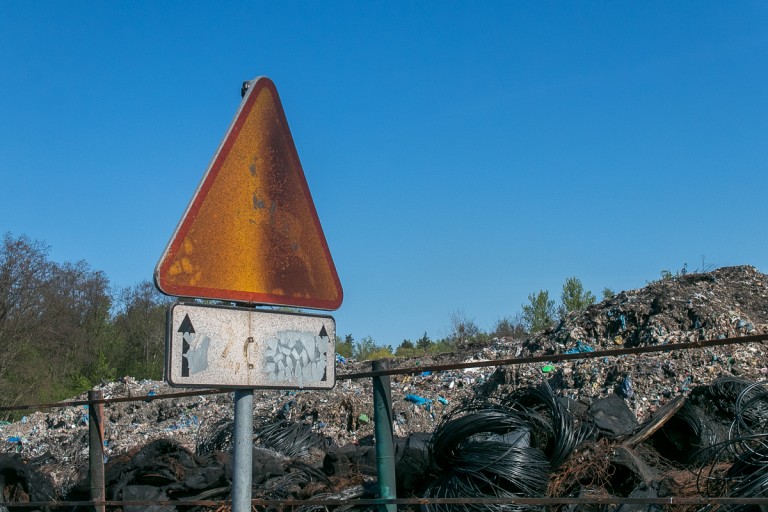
724 303
727 302
680 423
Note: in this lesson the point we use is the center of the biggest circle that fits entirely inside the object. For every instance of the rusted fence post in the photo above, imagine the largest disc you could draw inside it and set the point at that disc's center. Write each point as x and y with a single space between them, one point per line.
385 448
96 449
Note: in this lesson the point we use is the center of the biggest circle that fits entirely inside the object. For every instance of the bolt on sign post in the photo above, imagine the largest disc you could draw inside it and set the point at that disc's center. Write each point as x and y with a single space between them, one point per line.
251 236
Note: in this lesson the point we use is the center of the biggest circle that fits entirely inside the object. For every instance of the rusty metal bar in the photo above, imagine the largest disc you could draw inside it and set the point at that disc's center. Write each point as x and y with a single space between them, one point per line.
96 449
559 357
605 500
142 398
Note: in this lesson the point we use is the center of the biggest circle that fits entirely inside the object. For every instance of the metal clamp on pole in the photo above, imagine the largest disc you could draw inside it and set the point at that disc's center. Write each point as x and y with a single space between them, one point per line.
385 448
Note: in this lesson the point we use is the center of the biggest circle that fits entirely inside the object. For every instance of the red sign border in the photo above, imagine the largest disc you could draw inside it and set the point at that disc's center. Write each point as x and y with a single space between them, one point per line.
202 192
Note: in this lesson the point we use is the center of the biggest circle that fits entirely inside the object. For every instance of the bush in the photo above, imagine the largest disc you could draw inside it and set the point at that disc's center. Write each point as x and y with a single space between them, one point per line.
539 313
441 347
424 347
380 353
367 350
408 352
345 348
424 342
574 297
463 328
509 328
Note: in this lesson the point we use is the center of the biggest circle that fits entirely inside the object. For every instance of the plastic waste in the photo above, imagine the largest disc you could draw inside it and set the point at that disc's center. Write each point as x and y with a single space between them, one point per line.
580 348
624 389
287 406
418 400
548 368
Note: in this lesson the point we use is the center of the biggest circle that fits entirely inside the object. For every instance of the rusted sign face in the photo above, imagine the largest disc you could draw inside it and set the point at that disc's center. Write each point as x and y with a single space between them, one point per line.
251 232
221 346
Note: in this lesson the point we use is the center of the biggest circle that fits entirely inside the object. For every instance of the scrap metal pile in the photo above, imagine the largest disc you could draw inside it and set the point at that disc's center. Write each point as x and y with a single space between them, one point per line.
678 423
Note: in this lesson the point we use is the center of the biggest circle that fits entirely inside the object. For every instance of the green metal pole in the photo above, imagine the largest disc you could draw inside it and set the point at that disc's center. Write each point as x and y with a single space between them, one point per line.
385 448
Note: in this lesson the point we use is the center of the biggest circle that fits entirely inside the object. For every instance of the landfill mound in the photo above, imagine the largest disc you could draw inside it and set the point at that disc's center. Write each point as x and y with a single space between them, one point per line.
724 303
680 423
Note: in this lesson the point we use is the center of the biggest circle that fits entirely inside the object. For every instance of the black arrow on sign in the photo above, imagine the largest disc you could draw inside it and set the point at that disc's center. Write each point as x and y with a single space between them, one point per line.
186 331
324 334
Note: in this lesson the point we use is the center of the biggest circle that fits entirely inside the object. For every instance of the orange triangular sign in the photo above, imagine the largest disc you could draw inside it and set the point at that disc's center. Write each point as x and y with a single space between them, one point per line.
251 232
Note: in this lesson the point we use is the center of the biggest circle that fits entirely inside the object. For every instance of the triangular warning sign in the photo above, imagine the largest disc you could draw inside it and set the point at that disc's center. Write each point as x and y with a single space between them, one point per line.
251 232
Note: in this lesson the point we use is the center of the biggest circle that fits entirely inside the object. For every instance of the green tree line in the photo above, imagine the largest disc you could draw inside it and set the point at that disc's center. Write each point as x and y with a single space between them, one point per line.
64 329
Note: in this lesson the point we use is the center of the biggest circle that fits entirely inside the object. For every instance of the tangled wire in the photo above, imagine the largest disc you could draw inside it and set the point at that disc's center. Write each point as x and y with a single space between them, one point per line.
746 446
501 449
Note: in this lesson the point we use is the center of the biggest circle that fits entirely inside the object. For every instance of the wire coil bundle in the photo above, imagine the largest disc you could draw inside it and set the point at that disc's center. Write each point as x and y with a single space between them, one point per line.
504 449
747 446
555 423
292 439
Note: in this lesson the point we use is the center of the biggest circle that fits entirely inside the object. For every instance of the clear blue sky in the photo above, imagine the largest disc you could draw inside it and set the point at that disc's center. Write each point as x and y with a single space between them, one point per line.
461 155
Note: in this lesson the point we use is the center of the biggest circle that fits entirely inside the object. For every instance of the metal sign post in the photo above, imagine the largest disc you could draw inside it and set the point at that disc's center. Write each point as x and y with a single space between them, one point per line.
250 235
242 470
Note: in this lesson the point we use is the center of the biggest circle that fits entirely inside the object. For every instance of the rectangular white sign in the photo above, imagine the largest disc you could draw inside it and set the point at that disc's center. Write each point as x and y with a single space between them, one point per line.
224 346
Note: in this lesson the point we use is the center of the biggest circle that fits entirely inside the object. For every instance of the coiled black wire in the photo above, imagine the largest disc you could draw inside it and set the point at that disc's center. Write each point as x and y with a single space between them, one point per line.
284 486
747 446
501 448
215 438
551 420
492 469
721 395
292 439
751 414
747 477
478 424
